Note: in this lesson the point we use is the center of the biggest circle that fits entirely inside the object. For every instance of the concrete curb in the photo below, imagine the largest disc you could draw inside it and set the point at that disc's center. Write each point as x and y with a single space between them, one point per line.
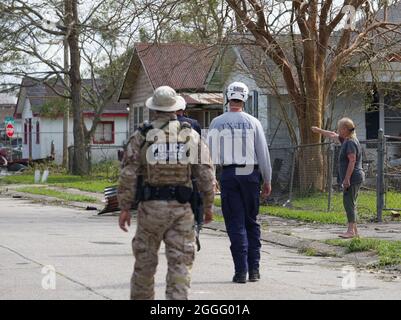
50 200
319 248
303 245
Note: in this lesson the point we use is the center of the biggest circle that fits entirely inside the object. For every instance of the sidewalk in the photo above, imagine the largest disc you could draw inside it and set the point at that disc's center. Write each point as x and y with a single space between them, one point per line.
311 236
284 232
321 232
385 231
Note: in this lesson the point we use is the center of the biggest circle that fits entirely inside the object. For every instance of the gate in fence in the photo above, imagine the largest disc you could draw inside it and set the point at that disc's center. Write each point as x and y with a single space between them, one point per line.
388 186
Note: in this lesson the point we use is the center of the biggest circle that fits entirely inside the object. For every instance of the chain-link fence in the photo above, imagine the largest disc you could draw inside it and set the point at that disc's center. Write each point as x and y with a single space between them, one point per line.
297 171
388 174
104 146
300 173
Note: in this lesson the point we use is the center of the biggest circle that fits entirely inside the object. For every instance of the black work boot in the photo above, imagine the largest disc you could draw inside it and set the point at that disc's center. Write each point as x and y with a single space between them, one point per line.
254 275
239 277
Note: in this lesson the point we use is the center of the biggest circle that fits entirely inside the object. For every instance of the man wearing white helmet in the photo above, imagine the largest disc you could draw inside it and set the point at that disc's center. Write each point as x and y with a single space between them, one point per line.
229 136
237 91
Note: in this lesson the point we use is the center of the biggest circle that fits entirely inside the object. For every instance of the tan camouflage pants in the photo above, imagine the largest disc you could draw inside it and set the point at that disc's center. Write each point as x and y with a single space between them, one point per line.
171 222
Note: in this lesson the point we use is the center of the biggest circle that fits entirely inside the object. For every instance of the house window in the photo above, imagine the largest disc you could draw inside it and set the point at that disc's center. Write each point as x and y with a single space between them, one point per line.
255 104
37 132
372 115
25 133
251 105
104 133
138 116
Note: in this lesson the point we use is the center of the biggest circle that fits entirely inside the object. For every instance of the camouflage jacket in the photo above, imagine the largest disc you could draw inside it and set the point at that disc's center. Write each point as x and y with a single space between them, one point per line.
202 170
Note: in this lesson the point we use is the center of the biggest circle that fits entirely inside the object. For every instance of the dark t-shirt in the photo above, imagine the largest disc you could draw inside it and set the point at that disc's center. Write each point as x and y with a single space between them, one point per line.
347 147
194 123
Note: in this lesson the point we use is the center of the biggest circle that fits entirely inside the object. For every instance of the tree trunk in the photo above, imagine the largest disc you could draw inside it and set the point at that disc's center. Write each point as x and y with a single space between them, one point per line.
80 160
311 153
311 160
66 116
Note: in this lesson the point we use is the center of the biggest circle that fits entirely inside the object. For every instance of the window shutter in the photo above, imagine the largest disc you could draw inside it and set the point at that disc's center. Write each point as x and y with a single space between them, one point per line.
248 105
25 133
255 106
37 132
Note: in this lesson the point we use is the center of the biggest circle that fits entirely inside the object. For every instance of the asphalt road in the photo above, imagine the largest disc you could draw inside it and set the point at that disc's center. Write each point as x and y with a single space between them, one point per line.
49 252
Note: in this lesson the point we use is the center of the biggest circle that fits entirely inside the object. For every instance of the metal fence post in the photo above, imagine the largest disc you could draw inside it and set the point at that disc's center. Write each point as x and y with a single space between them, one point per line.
330 175
89 159
380 175
294 155
288 203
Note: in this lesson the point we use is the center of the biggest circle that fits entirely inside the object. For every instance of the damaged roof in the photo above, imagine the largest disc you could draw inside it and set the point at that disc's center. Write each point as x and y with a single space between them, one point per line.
40 93
203 98
182 66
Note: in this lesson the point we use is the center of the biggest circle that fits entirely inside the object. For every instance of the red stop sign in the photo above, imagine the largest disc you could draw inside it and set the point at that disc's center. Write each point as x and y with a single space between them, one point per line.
10 130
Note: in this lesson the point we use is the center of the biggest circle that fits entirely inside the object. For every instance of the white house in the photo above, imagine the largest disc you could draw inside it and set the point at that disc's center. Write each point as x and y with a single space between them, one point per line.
42 133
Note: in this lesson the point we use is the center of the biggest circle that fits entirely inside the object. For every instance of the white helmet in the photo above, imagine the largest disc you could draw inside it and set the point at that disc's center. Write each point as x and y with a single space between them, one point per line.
237 90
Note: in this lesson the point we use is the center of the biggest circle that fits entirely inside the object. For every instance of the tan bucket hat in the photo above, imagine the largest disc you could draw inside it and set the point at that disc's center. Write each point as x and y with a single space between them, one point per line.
165 99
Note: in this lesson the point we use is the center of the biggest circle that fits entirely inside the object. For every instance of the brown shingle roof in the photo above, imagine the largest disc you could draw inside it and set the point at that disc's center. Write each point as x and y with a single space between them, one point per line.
181 66
178 65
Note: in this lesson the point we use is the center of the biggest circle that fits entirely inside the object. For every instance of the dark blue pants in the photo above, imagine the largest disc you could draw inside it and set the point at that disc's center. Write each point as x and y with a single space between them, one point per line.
240 206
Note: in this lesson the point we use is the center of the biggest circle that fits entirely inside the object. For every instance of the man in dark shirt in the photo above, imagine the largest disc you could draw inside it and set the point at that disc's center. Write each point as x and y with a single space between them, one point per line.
194 123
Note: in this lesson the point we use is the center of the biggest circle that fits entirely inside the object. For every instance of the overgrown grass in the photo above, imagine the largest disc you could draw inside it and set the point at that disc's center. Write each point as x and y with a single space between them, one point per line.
106 171
57 194
314 208
366 202
90 186
389 252
218 218
310 252
109 170
304 215
29 179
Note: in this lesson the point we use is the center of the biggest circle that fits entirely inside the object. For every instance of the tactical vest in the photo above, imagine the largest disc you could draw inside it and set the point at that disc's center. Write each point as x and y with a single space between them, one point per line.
161 154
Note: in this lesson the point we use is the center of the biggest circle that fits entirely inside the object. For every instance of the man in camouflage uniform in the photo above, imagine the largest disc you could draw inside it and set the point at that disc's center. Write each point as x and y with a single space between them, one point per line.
164 211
